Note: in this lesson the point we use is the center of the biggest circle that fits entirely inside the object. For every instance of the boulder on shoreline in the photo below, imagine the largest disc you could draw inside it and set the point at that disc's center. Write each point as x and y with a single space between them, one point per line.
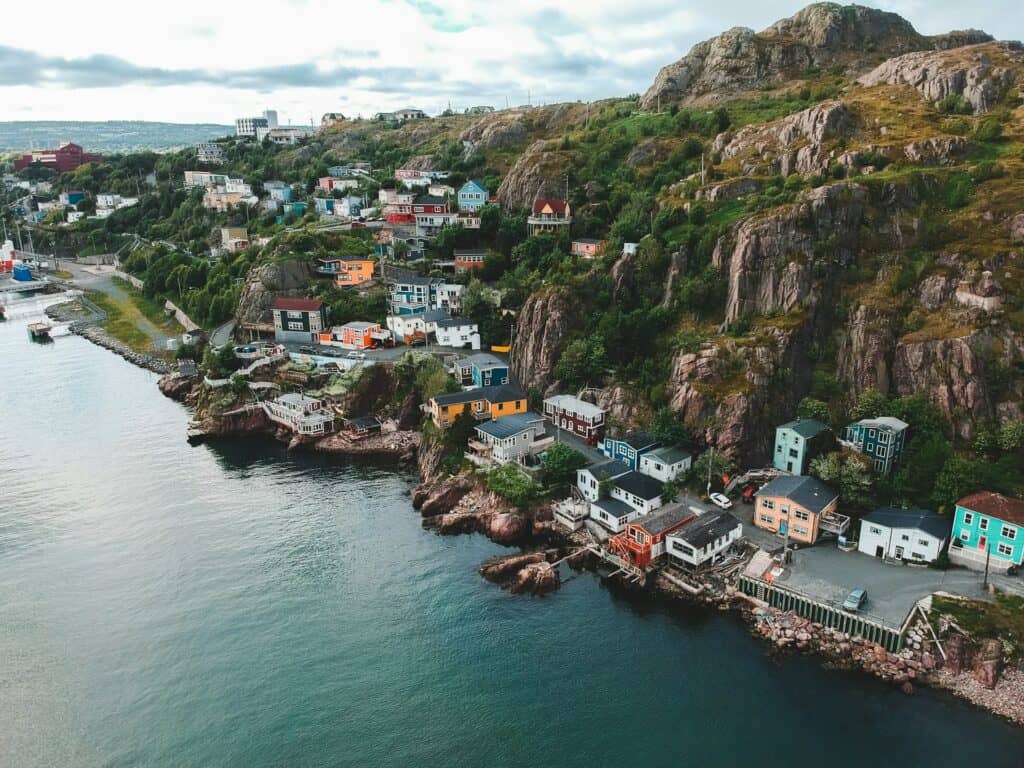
441 498
176 386
527 573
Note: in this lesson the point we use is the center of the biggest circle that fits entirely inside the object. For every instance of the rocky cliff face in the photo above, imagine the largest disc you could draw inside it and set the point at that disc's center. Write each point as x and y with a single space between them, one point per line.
268 282
538 171
820 35
541 327
981 74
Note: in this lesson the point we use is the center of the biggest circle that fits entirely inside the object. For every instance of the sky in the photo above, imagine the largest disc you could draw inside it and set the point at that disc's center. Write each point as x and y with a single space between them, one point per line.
215 60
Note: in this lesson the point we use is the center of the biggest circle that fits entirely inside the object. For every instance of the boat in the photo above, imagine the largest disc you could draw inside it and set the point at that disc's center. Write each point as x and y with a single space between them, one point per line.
39 330
3 312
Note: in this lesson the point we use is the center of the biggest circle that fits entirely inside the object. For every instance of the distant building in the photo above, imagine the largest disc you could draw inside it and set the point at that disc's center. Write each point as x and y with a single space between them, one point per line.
549 215
357 335
299 320
881 440
472 195
587 247
481 110
409 113
486 403
643 541
509 439
66 157
208 152
482 370
666 464
988 528
903 534
467 260
303 415
457 332
252 127
641 492
292 134
589 479
799 441
331 119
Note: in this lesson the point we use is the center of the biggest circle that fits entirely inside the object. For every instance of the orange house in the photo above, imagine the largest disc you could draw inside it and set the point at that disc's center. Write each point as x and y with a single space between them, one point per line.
359 335
353 271
643 541
587 247
484 403
799 508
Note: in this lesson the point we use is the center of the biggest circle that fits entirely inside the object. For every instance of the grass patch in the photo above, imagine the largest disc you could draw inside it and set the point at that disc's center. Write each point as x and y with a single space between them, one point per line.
935 328
120 322
1003 619
151 309
63 274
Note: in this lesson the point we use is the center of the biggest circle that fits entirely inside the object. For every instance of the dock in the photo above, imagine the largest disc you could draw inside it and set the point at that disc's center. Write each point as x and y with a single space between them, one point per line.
39 330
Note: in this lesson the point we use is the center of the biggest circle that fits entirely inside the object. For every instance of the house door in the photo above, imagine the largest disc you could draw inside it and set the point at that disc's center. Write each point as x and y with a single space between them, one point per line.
879 551
899 553
789 466
983 543
783 527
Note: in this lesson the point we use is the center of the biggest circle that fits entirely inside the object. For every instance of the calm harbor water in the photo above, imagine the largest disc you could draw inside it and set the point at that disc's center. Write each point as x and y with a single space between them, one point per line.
234 605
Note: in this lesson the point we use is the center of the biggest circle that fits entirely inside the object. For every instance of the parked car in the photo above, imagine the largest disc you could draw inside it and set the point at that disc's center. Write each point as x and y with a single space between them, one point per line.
417 342
331 352
307 350
855 600
720 500
748 493
355 354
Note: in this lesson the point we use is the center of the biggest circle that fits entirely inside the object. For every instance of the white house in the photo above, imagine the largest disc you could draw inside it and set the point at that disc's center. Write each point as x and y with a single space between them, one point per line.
406 327
448 297
903 534
666 463
612 514
508 439
703 540
641 492
457 332
301 414
588 479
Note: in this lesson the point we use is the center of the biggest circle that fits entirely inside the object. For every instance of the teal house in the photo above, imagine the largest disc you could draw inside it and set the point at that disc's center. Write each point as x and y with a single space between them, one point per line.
472 196
988 527
797 442
881 440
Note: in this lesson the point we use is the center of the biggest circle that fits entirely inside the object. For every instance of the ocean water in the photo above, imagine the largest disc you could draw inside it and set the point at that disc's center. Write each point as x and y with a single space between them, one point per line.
237 605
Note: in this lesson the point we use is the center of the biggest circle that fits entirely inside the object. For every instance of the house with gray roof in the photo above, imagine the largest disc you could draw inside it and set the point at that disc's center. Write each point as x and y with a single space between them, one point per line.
508 439
799 441
613 514
589 479
666 463
880 439
641 492
799 508
704 540
903 534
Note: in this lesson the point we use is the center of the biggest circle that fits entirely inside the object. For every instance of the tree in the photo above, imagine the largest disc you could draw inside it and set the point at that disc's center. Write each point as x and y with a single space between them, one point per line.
457 435
560 463
1011 436
870 405
513 486
669 491
811 408
957 478
720 466
667 429
583 360
848 472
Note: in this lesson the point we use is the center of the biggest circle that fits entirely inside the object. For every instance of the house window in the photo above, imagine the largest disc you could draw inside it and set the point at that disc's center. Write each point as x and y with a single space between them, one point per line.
799 530
1009 532
968 518
1005 550
917 556
767 504
922 542
801 515
965 535
793 453
904 537
983 523
294 326
768 519
876 531
778 448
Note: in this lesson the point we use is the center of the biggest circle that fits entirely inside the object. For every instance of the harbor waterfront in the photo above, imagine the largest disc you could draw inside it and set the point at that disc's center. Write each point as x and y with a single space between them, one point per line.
237 604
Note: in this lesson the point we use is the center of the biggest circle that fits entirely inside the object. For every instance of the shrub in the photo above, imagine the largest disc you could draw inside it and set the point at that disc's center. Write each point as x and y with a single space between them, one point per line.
955 104
513 486
989 130
956 192
986 170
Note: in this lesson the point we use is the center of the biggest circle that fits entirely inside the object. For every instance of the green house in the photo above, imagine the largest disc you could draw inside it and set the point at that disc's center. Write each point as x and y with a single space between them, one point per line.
988 528
797 442
881 440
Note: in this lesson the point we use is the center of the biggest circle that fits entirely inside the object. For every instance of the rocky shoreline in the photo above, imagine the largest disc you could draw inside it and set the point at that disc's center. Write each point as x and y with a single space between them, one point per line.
87 329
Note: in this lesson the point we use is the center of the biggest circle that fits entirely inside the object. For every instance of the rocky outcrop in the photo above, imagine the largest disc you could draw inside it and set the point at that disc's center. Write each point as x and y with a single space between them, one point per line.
496 131
623 406
729 190
864 357
770 260
939 150
176 386
441 497
775 144
538 171
1016 226
958 38
266 283
981 74
541 327
988 663
528 573
821 35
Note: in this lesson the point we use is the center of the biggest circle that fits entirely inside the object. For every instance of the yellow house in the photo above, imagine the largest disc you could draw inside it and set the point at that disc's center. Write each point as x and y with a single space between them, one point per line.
484 403
800 507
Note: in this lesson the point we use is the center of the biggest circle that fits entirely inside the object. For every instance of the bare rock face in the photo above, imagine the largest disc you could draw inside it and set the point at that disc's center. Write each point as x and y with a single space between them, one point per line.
444 496
865 350
939 150
958 38
503 568
268 282
729 190
622 406
176 387
498 130
538 170
540 329
773 143
820 35
506 527
959 654
770 259
988 662
981 74
536 579
1017 228
936 290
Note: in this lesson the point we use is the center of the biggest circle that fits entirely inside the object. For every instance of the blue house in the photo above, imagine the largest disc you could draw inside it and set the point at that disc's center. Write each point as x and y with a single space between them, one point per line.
278 190
410 293
472 196
481 370
629 448
325 205
797 442
881 440
988 527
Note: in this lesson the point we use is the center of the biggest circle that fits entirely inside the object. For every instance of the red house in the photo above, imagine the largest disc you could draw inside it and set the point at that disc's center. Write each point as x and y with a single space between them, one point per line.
468 259
643 541
429 204
67 157
577 416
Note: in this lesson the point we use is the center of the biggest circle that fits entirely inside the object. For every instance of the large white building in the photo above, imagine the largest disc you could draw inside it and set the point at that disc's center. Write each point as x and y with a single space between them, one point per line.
704 540
903 534
256 127
457 332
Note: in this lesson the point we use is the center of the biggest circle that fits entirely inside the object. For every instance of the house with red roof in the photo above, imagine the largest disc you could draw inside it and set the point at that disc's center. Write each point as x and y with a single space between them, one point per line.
549 215
299 320
988 530
66 157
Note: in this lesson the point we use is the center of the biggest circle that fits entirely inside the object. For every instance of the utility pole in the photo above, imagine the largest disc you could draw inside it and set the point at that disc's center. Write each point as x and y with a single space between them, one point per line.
988 558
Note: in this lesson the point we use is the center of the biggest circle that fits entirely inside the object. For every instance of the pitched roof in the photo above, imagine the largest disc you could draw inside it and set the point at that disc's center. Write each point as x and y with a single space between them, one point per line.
807 428
556 205
667 517
298 305
706 528
614 507
574 404
483 360
808 492
884 422
479 184
645 487
499 394
359 325
610 468
669 455
637 440
429 200
921 519
588 240
995 505
454 322
507 426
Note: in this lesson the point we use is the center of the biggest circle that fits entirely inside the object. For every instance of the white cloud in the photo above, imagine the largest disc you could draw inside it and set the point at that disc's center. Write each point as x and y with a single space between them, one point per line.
212 61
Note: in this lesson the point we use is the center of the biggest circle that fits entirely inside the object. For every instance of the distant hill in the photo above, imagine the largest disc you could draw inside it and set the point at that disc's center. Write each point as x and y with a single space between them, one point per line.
109 136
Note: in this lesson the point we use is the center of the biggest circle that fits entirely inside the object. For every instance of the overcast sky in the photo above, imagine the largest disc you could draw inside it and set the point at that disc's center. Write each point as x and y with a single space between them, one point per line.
212 60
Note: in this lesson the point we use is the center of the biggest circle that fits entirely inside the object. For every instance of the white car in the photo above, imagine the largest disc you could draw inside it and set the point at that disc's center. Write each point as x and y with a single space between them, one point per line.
720 500
355 354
